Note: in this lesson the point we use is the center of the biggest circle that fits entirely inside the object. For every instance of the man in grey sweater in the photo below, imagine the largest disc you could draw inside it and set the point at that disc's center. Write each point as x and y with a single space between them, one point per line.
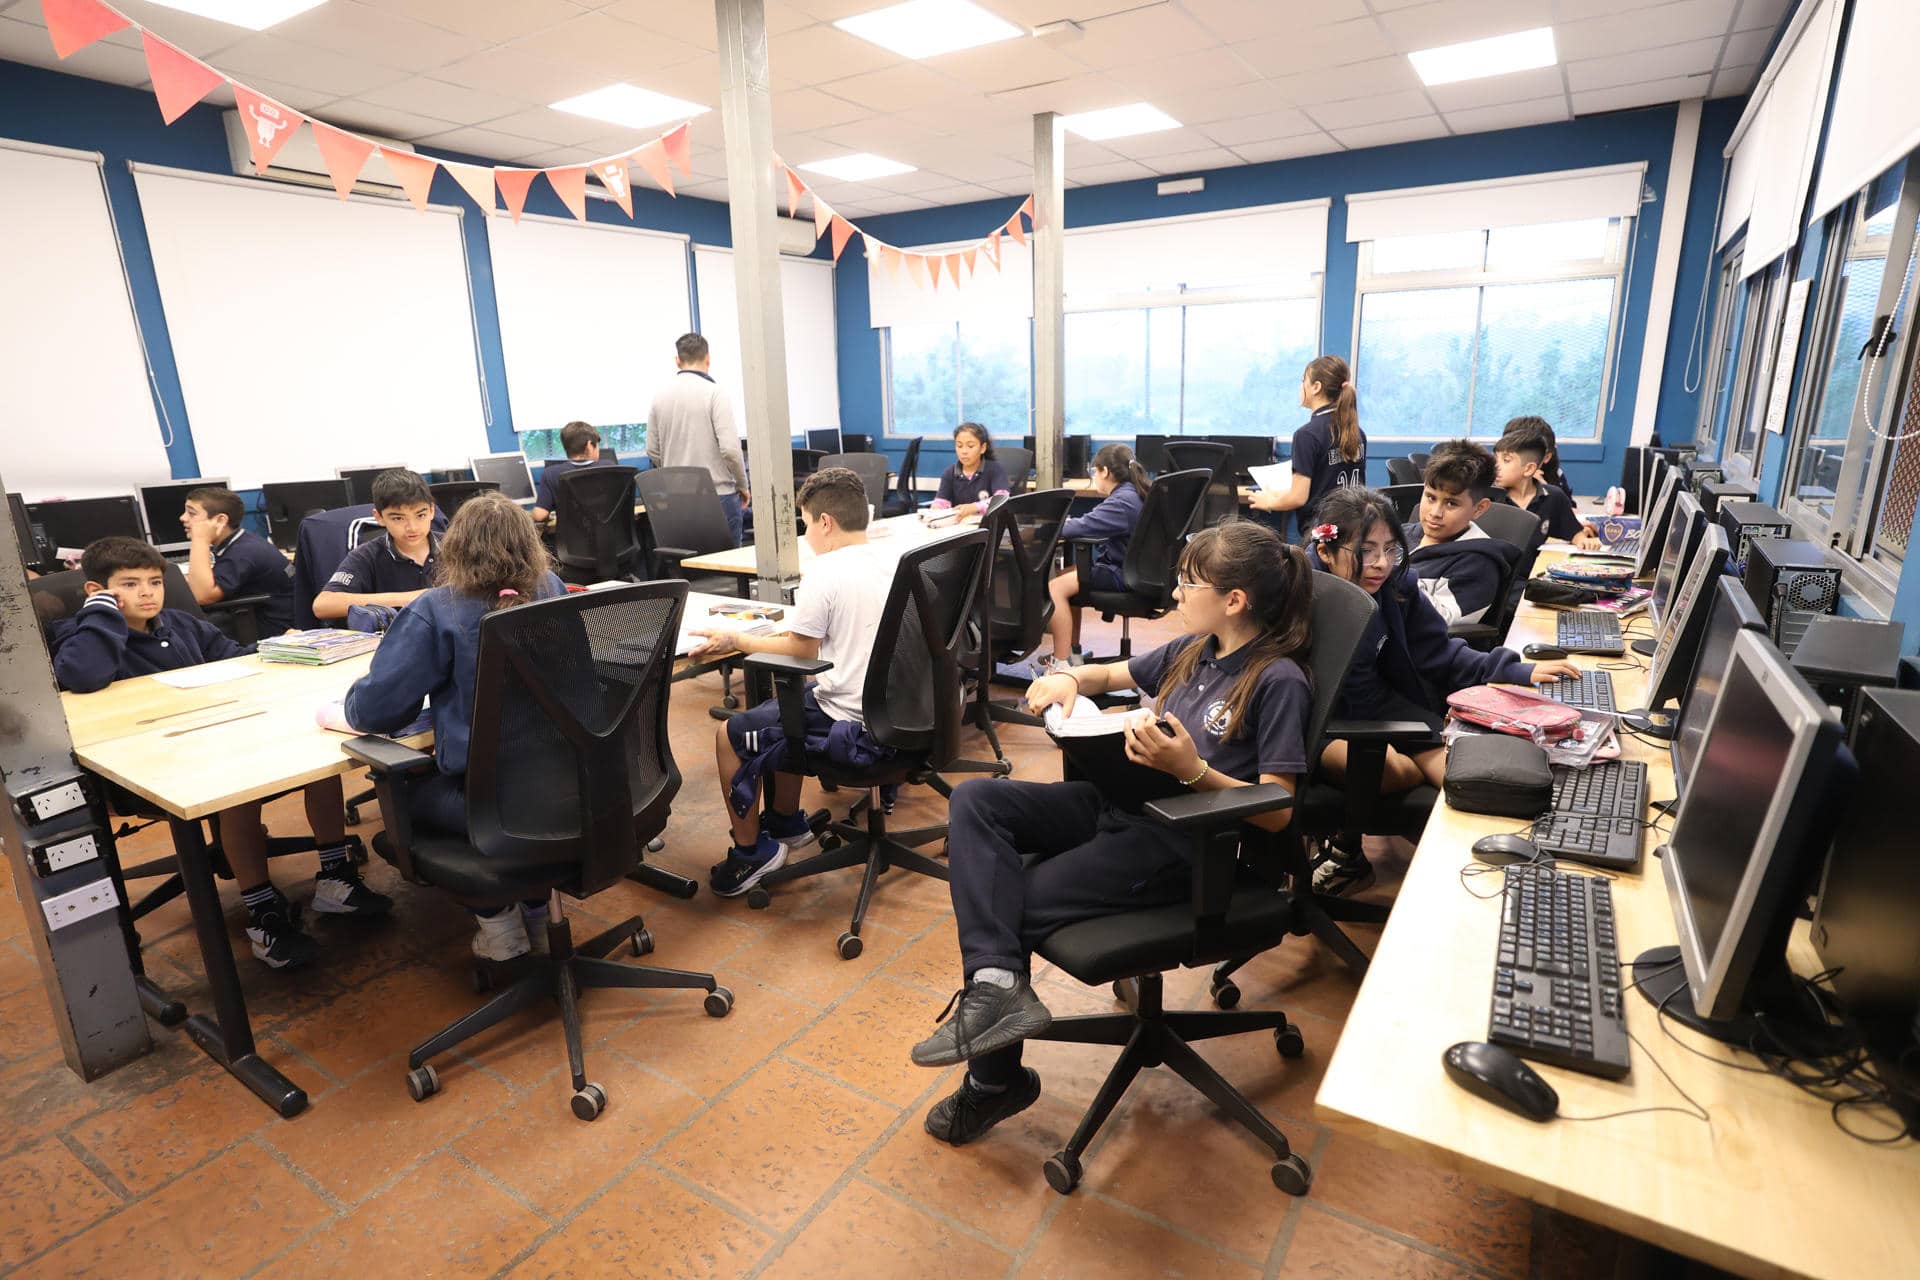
691 425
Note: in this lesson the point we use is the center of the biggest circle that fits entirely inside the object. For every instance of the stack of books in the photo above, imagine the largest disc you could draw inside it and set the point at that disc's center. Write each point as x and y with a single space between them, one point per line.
318 648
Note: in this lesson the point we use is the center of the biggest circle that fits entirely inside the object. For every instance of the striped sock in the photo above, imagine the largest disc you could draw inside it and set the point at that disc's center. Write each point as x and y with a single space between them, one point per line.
260 898
337 861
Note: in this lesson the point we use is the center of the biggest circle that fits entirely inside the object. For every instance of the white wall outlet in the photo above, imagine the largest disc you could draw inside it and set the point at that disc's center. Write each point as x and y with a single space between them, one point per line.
75 905
55 801
70 852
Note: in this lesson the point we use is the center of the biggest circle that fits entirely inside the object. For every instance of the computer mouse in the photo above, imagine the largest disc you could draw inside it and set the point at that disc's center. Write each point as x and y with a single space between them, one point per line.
1543 652
1498 1075
1505 849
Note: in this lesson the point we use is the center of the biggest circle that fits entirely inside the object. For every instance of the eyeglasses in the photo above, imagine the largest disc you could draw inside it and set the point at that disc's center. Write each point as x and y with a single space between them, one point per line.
1388 556
1187 584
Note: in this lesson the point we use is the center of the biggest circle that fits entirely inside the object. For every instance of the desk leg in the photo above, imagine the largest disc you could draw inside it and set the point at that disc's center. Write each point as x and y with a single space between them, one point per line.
228 1038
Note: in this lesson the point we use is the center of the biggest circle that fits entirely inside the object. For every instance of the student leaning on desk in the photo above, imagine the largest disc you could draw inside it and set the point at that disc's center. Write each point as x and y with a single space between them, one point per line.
123 630
225 560
396 568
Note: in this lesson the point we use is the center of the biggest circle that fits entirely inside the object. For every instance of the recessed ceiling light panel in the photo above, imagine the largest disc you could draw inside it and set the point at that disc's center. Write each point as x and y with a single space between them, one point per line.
1478 59
1119 122
624 104
928 28
859 167
254 15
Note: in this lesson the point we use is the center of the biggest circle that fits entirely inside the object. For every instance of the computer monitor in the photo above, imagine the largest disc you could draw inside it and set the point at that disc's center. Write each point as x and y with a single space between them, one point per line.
1770 770
1653 526
1152 453
1684 527
1078 462
855 442
23 531
1686 621
1730 610
609 455
161 505
360 481
509 471
288 503
825 439
71 523
1248 451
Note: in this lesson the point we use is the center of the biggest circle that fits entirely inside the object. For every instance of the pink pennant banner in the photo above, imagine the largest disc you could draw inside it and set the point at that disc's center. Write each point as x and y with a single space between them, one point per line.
842 232
475 180
414 172
1014 230
822 217
795 190
653 158
917 269
268 125
679 145
345 155
890 259
968 256
993 250
570 184
178 80
75 24
514 185
953 267
1027 208
613 175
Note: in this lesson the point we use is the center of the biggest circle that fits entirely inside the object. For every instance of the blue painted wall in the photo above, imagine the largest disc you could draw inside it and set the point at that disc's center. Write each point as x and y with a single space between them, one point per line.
1689 334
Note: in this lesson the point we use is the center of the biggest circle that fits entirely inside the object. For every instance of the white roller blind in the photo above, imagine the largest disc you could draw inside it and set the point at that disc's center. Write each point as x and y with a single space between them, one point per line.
807 320
588 318
1281 246
311 332
76 415
1876 108
1570 195
1786 133
1743 171
893 298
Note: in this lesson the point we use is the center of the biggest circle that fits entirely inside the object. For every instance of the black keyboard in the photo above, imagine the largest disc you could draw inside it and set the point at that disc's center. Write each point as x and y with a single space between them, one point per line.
1598 814
1556 979
1593 691
1591 631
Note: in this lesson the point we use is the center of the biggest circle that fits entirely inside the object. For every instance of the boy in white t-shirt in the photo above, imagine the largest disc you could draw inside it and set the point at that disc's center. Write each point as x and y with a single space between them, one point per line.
835 615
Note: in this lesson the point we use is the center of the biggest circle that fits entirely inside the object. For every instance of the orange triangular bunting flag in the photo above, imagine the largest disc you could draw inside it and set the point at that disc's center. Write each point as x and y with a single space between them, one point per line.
612 174
822 217
917 268
796 190
345 155
178 80
268 125
993 249
415 174
570 184
968 257
653 158
1014 229
514 185
953 266
679 147
476 181
890 258
75 24
842 232
1027 208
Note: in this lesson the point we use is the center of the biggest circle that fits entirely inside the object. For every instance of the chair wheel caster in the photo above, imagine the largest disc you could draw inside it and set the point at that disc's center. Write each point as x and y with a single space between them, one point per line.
656 844
642 943
730 702
758 898
591 1100
1063 1172
1225 994
1123 990
1291 1175
423 1083
849 946
719 1002
1290 1043
828 843
353 815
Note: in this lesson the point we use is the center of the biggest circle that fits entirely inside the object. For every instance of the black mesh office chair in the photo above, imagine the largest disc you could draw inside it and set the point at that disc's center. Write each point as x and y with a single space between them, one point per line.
1223 492
1524 534
451 495
1404 471
1017 462
1167 516
1405 499
905 498
1012 613
1420 461
912 701
870 467
595 537
687 521
570 772
805 463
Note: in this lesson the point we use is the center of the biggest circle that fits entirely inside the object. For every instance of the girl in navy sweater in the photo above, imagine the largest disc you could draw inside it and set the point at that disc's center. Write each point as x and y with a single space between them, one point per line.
1121 482
975 479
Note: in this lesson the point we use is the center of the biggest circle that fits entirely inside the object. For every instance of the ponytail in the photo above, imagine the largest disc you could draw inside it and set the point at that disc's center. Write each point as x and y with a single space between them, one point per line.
1332 374
1118 461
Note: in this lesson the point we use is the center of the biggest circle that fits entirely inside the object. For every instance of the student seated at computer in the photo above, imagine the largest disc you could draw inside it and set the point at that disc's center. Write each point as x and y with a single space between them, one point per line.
1405 665
582 444
490 558
975 479
1329 451
1121 482
1519 456
123 630
835 614
226 561
1455 563
397 567
1235 699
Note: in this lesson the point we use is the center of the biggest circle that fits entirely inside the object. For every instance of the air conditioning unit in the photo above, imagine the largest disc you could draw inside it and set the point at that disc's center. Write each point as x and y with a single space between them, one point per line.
795 236
299 161
1792 584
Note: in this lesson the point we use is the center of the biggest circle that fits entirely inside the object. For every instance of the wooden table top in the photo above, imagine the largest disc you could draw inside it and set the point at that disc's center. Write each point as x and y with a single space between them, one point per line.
1769 1187
897 532
143 703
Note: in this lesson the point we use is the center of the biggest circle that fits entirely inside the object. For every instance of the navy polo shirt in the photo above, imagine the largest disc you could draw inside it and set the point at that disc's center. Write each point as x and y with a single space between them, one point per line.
246 564
375 567
1317 456
543 492
1274 738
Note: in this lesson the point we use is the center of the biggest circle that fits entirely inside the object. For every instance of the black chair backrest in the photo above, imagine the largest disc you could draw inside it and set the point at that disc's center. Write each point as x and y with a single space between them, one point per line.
1015 608
1341 612
1405 499
1017 462
1420 460
594 530
806 461
57 596
913 695
571 771
909 471
1523 531
1223 494
683 510
870 467
1167 516
1405 470
451 495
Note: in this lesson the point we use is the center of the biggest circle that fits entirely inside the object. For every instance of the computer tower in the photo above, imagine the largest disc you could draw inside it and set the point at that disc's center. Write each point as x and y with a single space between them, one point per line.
1792 584
1841 656
1745 521
1699 471
1714 494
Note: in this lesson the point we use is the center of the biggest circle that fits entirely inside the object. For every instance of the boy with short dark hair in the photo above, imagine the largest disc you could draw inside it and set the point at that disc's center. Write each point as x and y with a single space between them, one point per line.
1456 564
835 614
124 630
398 566
581 441
1519 458
225 560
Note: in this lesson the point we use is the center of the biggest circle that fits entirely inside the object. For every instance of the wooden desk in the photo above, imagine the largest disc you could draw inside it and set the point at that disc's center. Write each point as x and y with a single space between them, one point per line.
901 532
135 706
1771 1187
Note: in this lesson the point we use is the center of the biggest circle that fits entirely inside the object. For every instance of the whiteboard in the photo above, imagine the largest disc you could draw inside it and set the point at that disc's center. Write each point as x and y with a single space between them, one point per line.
806 318
588 318
76 412
313 333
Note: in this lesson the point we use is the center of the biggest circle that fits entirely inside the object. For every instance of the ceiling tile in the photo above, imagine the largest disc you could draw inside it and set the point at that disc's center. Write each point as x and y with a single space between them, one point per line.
500 148
492 20
966 194
1383 135
1747 47
1167 142
1012 186
619 49
1515 86
1579 10
1137 35
1310 144
696 80
1316 47
1509 115
829 10
544 124
26 42
1193 161
883 134
1208 105
365 118
1374 110
1455 21
804 109
1643 29
1009 64
324 105
818 53
1245 19
437 98
1186 73
1259 128
1648 93
1761 13
547 157
1086 92
1120 171
894 89
1361 79
201 37
971 164
1648 64
688 23
1079 152
360 30
1731 81
518 74
895 204
315 69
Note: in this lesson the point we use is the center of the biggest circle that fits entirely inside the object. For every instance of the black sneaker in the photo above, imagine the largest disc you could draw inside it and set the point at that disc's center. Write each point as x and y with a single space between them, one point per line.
989 1017
736 875
968 1112
1340 873
277 939
342 892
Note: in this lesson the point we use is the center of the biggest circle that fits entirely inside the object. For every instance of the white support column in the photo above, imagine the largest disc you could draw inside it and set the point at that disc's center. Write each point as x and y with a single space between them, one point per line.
1049 297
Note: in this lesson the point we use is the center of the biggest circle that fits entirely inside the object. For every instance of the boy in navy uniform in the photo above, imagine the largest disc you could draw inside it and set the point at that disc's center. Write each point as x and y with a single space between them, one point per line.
582 442
395 568
1458 566
1520 457
225 560
123 630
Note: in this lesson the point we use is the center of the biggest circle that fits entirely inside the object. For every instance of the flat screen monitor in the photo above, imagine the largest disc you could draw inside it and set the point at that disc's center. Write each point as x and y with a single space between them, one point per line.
161 505
509 471
1730 610
360 481
1248 451
1768 768
1653 528
1684 527
23 530
825 439
1686 619
1078 462
288 503
71 523
855 442
1152 453
609 455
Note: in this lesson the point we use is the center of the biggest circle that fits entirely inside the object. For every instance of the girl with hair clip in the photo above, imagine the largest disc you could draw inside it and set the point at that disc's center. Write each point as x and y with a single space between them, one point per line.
490 558
1121 482
1329 452
1027 858
975 479
1405 665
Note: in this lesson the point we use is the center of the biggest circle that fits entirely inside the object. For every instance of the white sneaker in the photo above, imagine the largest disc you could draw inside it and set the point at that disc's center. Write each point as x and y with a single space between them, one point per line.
535 923
500 938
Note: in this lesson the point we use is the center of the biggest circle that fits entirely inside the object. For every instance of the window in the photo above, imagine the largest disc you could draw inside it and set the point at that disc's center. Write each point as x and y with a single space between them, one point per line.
942 374
1729 326
629 440
1461 331
1766 303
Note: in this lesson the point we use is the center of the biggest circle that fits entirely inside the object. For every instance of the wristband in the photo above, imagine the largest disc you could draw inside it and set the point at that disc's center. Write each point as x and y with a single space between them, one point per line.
1204 769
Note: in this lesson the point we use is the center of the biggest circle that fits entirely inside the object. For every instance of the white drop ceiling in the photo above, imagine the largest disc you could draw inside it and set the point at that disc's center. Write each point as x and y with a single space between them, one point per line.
1250 80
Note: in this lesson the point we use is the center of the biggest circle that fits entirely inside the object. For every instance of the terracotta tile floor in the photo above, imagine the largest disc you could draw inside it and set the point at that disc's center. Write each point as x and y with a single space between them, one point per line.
783 1140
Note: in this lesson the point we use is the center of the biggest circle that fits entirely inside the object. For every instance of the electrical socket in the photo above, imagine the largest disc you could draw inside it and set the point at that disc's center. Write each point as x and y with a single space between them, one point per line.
79 904
70 851
51 803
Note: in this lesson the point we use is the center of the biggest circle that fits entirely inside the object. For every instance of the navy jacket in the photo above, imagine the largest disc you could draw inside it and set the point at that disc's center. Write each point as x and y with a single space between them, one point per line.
1114 521
95 647
1460 577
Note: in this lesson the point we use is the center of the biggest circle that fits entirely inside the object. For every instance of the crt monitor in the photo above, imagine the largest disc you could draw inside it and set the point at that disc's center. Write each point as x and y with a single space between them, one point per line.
1684 527
825 439
360 481
288 503
1730 610
1152 453
1248 451
70 524
1653 526
1771 774
161 505
1686 622
509 471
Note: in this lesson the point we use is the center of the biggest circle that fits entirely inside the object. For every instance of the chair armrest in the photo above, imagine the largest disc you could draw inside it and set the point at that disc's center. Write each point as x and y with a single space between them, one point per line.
777 664
1212 809
789 676
246 616
1081 553
670 557
1478 635
1376 732
384 755
395 767
1212 819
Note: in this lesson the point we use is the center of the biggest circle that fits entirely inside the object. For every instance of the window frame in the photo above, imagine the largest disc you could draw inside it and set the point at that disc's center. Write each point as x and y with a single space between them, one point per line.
1706 435
1768 298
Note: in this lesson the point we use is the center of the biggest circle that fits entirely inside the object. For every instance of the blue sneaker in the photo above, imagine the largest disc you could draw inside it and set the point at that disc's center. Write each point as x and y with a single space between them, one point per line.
790 829
738 874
